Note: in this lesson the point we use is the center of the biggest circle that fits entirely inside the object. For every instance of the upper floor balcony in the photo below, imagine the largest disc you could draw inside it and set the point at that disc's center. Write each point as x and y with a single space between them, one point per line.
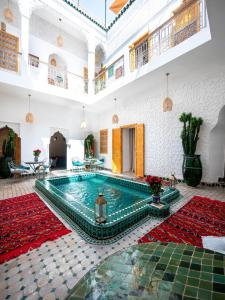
149 49
57 72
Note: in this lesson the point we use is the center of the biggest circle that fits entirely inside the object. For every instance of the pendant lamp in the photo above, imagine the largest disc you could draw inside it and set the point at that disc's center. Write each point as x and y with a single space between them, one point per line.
83 124
29 116
167 103
115 118
59 40
8 14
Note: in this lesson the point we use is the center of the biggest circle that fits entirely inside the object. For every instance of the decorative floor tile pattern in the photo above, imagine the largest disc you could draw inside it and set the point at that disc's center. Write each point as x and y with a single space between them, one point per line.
51 271
155 271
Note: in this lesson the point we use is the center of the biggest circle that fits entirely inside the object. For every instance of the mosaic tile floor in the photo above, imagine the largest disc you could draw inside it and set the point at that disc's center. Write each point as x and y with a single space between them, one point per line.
156 271
51 271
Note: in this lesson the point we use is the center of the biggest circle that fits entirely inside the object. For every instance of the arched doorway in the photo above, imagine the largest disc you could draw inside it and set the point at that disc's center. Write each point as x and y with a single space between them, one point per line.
58 151
4 135
217 149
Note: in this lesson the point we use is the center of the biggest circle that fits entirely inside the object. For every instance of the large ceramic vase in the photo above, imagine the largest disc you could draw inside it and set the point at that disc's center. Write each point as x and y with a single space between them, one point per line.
192 170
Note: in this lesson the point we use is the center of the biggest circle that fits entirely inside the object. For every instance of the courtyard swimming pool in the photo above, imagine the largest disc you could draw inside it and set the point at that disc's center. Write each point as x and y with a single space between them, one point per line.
127 201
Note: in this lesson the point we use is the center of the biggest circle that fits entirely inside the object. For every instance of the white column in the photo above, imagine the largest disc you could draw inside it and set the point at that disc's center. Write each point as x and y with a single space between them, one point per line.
25 10
91 66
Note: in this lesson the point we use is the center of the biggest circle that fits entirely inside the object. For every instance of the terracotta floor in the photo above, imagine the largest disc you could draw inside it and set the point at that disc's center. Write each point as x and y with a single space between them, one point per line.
51 271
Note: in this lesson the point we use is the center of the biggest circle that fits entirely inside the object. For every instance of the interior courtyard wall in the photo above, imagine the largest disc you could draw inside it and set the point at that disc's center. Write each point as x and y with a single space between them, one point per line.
46 117
204 96
43 40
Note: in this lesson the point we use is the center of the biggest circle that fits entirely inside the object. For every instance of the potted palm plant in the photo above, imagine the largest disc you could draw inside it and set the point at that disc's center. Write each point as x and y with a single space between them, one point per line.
192 167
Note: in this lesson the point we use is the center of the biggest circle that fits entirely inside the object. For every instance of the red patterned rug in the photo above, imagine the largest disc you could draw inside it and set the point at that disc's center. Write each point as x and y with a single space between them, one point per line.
199 217
25 224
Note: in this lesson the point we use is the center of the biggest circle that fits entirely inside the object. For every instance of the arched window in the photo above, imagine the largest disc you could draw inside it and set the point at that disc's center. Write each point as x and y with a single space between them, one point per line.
57 71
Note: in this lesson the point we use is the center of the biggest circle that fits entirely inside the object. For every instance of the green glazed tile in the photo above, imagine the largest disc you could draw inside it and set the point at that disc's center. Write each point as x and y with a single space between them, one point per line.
206 285
218 296
208 269
218 278
194 274
180 278
192 281
190 291
165 285
178 288
204 294
206 276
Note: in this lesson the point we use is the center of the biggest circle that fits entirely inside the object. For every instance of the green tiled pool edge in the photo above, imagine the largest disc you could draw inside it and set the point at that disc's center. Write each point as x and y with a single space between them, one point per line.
104 231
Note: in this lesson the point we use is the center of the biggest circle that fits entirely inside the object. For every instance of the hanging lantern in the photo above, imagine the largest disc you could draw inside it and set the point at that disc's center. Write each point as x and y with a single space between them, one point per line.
100 209
115 118
8 14
167 103
83 124
29 116
173 182
59 40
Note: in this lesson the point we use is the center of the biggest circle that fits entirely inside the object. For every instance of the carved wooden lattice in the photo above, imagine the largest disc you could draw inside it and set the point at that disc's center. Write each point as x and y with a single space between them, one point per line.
104 141
9 45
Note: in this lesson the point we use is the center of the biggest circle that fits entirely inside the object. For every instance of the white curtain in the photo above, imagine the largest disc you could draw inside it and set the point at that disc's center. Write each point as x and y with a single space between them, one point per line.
132 149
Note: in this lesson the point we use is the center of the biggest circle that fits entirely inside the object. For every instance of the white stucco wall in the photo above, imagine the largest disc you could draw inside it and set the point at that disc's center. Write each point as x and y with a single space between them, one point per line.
48 118
217 147
203 96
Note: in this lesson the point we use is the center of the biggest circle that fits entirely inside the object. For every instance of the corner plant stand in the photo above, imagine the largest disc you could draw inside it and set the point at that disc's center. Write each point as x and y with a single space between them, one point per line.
161 211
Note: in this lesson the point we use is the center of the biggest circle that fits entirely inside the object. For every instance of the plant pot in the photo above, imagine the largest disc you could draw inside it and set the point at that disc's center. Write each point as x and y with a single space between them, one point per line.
155 198
36 158
4 168
192 170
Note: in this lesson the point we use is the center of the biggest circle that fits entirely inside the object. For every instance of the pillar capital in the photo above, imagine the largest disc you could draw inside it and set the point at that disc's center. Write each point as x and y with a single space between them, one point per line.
27 6
91 45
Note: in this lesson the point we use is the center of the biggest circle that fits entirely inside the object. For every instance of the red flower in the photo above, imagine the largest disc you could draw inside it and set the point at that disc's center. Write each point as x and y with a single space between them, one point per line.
36 152
155 184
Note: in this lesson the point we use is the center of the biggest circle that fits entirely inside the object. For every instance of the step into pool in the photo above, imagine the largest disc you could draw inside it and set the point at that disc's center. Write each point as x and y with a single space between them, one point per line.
127 201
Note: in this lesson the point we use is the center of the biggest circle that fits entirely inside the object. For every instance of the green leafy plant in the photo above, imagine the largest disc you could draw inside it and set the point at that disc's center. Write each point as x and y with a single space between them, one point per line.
190 132
89 146
8 148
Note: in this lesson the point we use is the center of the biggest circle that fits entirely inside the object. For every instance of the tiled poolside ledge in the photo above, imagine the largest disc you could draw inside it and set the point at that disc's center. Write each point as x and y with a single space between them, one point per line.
83 216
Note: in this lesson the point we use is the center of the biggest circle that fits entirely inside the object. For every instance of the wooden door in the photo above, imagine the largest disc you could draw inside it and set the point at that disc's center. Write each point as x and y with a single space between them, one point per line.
139 150
117 150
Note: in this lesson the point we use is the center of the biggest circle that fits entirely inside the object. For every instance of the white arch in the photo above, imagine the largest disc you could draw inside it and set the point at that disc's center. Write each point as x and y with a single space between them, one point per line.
217 148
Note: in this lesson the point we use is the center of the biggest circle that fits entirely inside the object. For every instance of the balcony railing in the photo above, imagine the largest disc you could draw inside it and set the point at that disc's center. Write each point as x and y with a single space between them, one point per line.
43 73
109 75
56 76
187 20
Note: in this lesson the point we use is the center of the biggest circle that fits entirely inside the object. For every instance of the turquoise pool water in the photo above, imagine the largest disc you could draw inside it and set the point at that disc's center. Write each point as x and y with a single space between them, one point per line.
86 192
74 196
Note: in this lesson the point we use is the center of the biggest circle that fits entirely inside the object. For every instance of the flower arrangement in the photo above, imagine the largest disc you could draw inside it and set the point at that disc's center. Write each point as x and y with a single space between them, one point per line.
155 184
36 152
